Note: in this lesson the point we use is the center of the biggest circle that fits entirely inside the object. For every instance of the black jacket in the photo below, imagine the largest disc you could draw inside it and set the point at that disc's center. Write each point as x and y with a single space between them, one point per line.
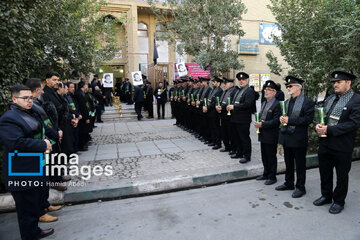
18 130
138 95
298 136
269 131
161 94
216 92
244 107
341 136
149 94
223 101
81 99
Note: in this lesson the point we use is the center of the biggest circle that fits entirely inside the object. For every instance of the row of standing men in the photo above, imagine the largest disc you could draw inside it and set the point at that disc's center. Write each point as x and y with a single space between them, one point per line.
217 116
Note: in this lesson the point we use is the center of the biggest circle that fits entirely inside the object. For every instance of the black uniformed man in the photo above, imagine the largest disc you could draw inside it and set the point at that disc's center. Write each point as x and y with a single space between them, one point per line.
204 125
161 99
342 119
226 130
269 132
171 98
242 107
149 99
294 135
213 118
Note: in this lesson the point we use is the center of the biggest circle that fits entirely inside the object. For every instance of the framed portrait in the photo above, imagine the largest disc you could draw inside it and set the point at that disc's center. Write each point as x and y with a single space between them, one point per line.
137 78
181 68
108 80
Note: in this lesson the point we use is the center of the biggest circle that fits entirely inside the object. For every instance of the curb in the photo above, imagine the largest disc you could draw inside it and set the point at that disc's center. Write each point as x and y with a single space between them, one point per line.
163 185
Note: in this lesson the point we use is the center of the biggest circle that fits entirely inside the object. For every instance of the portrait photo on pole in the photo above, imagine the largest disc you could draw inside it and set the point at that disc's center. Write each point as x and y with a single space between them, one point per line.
137 79
108 80
181 68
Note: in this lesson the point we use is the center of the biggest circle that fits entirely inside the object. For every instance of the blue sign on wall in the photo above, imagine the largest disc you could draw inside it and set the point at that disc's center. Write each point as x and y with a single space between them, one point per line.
248 46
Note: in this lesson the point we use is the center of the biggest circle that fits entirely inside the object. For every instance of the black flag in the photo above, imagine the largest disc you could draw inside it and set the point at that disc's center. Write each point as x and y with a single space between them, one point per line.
156 55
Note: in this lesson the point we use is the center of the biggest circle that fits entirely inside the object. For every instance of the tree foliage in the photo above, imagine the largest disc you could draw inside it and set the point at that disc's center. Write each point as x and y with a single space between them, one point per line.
204 28
68 36
318 36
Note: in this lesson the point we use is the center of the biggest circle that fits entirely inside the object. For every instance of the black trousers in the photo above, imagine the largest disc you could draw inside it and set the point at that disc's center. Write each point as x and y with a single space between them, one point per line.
269 159
162 104
28 204
227 133
138 106
150 109
172 110
44 203
328 159
128 98
99 107
214 125
243 140
297 155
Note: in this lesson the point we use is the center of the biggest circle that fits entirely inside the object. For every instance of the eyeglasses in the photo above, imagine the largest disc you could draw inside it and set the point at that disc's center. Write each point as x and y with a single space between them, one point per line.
289 86
27 98
270 90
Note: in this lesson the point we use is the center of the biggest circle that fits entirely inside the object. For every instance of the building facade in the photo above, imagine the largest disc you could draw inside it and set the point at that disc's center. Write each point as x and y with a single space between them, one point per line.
137 39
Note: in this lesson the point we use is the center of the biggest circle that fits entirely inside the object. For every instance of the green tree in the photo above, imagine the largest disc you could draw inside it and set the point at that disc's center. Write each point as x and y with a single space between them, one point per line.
204 28
318 36
68 36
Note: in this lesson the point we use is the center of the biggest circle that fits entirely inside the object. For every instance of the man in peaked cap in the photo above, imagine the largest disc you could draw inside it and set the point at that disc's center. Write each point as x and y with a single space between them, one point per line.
242 107
294 135
226 127
213 118
342 119
269 132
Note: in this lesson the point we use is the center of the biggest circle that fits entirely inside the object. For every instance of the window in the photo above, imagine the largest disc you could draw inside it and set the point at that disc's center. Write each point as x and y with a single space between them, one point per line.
159 30
142 30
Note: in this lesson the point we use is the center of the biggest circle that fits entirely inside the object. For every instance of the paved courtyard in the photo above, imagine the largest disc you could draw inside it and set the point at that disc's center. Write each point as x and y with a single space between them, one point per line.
154 155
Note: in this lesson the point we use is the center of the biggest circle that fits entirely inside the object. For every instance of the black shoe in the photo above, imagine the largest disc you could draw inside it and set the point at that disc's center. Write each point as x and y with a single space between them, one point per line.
335 208
244 160
211 144
298 193
235 156
270 181
224 150
46 232
284 187
216 147
100 121
163 117
262 177
232 152
322 201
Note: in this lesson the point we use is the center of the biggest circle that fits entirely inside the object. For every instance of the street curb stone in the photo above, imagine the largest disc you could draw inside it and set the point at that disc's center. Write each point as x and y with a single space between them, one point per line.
7 203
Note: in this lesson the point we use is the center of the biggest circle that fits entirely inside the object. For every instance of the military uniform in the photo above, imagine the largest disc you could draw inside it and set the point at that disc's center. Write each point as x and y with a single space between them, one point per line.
226 127
335 150
213 117
244 106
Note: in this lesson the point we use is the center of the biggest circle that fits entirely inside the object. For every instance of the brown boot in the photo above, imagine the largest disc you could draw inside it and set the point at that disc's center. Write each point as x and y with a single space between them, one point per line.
47 218
52 208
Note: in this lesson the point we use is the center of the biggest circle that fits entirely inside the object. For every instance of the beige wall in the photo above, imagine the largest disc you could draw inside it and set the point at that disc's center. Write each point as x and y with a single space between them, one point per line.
139 11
